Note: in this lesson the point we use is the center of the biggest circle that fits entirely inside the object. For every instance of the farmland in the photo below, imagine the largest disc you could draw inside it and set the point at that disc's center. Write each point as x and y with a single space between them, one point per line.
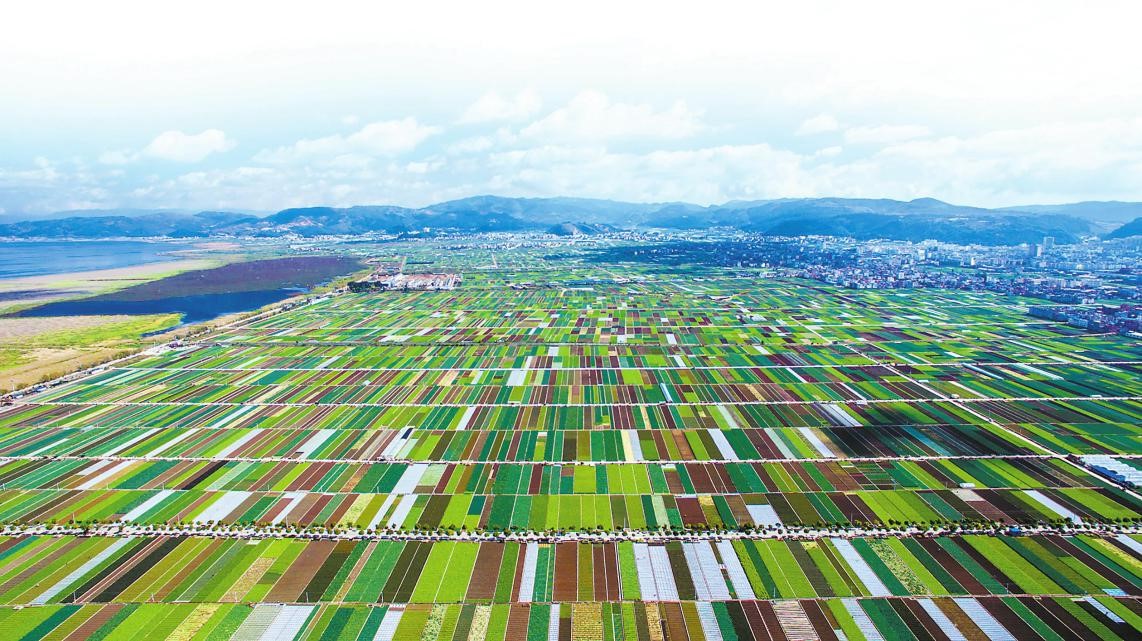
562 449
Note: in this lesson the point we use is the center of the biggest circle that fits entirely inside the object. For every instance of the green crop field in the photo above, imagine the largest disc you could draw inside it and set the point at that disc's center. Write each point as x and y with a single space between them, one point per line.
561 449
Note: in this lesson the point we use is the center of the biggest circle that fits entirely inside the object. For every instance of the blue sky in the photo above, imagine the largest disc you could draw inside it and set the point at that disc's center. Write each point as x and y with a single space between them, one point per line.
269 105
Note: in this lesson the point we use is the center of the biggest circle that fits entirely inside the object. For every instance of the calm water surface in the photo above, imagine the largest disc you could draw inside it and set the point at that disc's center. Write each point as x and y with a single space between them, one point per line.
20 258
194 309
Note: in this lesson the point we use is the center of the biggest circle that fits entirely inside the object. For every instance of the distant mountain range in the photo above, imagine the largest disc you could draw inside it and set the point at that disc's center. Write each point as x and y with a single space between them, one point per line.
920 219
166 223
1106 210
581 229
1132 228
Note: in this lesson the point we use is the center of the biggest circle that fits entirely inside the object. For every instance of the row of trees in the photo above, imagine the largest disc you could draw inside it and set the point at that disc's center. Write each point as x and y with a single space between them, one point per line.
892 525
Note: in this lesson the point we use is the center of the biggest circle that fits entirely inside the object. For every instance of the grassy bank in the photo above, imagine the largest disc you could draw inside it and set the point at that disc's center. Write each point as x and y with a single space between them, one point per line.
40 349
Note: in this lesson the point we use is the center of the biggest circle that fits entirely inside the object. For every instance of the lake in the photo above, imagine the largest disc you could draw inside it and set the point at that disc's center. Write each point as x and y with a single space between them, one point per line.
194 309
19 258
205 294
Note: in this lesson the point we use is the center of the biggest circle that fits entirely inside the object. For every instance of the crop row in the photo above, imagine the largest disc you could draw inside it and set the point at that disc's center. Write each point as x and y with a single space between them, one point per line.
789 302
770 336
554 323
201 432
319 414
596 384
1082 350
1089 618
547 513
544 479
45 570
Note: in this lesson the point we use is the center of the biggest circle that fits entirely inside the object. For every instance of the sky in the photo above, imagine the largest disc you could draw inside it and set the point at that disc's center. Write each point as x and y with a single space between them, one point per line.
267 105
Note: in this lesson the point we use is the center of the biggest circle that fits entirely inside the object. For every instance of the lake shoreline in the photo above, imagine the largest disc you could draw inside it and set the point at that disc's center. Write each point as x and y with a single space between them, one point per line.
202 295
33 349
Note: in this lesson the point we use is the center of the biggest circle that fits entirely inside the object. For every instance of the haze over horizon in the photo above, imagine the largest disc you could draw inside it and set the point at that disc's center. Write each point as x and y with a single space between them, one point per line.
264 107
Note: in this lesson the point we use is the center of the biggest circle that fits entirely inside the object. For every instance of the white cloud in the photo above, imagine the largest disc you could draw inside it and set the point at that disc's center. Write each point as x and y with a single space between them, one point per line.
1064 162
1060 162
175 146
492 107
182 147
116 157
273 188
43 173
313 67
884 134
705 175
501 138
471 145
592 117
818 125
49 186
384 138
